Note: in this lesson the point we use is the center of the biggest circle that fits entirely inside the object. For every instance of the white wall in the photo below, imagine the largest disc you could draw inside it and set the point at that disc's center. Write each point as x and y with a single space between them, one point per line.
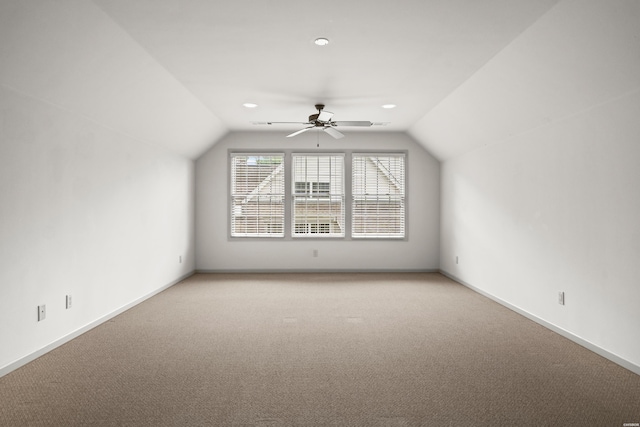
84 211
217 252
556 209
540 172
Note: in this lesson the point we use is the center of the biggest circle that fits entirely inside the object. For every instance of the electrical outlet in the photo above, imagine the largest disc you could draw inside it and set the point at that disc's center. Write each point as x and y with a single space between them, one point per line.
180 259
68 305
561 298
456 259
315 253
42 312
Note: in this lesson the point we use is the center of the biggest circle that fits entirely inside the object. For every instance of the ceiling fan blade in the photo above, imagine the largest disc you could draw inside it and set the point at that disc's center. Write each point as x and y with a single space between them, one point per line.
281 123
357 123
334 133
324 116
298 132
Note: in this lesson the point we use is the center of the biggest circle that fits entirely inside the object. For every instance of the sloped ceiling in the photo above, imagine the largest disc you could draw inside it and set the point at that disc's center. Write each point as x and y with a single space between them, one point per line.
463 73
580 55
70 54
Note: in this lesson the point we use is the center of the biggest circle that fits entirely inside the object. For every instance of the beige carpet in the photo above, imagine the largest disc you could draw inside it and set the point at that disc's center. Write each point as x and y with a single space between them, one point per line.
320 350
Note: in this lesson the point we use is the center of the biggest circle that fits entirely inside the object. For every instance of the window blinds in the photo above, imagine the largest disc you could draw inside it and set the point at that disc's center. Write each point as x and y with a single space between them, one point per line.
317 187
378 192
257 195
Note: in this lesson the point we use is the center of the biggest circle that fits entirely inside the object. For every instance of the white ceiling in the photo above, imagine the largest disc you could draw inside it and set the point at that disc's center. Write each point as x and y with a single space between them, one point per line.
412 53
176 72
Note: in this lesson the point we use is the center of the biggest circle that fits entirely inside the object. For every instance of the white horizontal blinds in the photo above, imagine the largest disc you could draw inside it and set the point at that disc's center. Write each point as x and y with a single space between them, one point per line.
378 192
317 195
257 195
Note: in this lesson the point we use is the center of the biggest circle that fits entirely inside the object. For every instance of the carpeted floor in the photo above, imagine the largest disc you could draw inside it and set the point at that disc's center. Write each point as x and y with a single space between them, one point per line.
320 350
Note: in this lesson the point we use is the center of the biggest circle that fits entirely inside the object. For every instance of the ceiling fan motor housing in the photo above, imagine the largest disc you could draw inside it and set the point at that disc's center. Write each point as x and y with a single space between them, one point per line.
314 117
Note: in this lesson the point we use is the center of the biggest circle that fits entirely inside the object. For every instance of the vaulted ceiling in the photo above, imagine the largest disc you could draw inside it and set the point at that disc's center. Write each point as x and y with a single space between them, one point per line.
463 73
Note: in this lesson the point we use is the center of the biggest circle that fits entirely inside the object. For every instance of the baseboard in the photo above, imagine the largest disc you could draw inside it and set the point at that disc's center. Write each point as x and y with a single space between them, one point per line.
57 343
578 340
278 271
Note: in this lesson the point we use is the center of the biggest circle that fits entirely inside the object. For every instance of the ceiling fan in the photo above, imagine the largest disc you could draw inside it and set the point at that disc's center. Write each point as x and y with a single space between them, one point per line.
322 120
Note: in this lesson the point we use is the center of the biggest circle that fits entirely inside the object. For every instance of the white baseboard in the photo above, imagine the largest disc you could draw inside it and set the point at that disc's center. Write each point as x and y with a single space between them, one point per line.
57 343
275 271
578 340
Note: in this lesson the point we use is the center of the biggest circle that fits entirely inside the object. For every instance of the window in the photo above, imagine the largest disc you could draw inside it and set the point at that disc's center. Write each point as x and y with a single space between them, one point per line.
378 195
257 195
310 193
318 228
312 187
318 195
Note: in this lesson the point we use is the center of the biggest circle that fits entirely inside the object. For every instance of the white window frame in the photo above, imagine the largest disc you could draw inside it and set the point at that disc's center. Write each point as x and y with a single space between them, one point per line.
247 201
289 226
322 196
378 196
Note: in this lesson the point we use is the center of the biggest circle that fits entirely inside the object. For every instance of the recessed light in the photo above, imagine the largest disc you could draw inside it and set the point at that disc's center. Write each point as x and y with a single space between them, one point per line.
249 105
321 41
389 106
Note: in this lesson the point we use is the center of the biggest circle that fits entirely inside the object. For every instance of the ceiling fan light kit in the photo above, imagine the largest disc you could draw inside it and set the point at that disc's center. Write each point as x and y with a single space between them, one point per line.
322 121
